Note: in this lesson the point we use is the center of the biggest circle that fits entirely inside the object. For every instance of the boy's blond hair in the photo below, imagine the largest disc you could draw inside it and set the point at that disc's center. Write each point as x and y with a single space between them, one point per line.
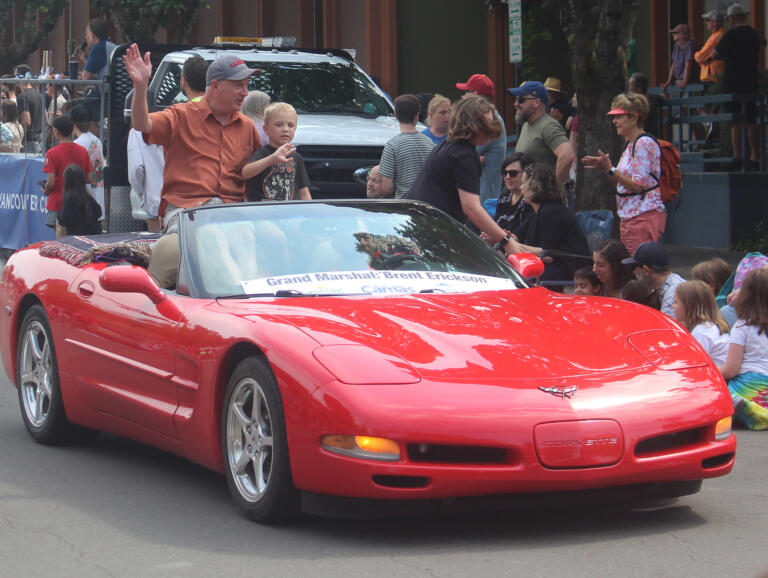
278 107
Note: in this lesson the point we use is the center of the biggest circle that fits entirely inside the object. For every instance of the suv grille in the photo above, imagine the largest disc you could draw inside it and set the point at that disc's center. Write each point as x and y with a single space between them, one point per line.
331 168
366 154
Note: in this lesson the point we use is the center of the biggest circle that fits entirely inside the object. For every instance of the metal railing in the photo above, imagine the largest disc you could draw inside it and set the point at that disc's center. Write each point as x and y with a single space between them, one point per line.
101 89
687 107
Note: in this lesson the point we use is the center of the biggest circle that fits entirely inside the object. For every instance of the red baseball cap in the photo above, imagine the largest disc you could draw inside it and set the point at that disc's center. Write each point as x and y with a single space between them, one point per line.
478 83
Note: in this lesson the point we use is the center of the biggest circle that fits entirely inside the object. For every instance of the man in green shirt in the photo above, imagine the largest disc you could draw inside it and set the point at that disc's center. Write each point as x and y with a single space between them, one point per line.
541 136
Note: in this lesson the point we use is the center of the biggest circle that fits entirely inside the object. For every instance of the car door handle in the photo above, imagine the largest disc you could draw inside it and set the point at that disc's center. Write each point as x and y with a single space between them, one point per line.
86 289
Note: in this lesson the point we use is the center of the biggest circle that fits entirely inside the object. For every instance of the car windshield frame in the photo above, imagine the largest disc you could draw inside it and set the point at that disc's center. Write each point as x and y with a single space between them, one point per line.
332 87
344 247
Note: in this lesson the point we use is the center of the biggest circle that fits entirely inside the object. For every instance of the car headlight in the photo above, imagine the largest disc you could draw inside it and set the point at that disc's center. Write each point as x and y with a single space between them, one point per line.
366 447
360 365
668 349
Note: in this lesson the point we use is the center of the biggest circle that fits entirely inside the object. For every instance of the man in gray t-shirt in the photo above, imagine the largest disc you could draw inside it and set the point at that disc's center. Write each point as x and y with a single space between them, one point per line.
404 154
541 137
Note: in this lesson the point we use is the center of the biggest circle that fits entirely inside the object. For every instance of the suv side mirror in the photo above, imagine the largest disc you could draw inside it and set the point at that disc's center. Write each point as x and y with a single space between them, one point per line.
361 175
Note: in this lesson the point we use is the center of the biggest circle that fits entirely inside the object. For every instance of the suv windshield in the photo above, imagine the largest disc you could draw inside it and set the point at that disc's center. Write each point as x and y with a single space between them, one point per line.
318 87
336 248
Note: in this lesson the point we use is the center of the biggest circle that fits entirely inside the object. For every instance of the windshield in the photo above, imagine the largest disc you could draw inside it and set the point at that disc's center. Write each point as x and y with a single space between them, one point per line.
333 87
336 248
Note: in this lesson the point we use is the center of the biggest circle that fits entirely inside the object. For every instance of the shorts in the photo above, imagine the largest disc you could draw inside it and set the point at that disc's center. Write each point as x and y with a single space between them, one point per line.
50 219
648 226
735 108
170 220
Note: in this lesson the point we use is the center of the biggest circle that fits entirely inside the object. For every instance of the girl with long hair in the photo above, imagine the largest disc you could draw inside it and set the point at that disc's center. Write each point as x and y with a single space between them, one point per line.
695 309
80 212
613 274
746 367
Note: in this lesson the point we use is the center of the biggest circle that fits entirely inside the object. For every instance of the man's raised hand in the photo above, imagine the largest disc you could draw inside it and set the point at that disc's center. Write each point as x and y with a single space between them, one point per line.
138 68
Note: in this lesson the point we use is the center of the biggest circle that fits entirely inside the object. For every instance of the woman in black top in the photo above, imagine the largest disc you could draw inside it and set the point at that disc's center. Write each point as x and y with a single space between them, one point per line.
512 210
450 178
552 227
79 212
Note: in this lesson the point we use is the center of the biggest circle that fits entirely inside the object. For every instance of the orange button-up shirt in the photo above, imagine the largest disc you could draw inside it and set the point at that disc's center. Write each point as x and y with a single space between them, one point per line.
203 158
711 70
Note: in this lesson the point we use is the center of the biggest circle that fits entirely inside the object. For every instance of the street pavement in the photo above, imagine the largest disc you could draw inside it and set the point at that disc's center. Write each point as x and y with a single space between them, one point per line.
114 508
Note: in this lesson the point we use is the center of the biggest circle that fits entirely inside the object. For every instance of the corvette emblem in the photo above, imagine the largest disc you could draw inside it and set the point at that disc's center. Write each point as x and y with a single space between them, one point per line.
563 392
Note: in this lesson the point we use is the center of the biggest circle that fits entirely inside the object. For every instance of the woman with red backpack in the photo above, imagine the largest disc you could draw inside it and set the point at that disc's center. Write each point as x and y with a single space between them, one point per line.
639 201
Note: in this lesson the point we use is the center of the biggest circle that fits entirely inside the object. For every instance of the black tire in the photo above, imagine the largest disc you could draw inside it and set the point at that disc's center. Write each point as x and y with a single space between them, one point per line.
254 444
37 380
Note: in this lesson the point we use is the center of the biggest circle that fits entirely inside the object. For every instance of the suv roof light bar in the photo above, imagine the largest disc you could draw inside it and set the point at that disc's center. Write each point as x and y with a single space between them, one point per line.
265 42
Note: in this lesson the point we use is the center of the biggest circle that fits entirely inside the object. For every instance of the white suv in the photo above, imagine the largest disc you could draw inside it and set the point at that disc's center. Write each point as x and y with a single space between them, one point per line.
344 118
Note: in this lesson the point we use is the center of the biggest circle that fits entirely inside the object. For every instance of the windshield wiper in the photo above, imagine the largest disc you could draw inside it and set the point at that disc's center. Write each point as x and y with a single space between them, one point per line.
278 293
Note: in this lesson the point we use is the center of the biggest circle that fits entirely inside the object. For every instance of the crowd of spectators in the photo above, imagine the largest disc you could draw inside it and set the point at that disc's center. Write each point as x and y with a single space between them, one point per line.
727 62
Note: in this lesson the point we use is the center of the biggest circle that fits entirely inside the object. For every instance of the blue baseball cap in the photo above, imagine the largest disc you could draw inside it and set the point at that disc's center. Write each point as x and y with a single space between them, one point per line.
533 88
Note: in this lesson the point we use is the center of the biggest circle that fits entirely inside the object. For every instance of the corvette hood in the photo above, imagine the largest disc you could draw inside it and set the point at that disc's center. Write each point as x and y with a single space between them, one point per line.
490 335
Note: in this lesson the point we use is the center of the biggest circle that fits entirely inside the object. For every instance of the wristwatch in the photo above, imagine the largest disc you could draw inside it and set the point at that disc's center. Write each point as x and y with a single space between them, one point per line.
611 171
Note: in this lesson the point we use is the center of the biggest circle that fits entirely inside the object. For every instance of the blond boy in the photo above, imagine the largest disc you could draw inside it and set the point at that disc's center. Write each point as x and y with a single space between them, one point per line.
276 171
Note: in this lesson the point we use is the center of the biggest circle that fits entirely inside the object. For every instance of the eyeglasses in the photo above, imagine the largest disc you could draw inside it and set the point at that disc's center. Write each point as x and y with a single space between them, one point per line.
511 173
520 100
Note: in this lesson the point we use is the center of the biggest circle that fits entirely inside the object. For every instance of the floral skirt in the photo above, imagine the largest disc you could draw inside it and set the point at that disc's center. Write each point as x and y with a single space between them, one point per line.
749 392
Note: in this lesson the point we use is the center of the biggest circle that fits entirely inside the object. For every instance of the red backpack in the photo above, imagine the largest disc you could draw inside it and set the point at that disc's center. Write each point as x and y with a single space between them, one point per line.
670 181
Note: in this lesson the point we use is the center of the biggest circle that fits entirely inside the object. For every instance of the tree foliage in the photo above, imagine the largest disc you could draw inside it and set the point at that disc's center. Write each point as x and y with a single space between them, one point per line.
598 33
138 20
37 18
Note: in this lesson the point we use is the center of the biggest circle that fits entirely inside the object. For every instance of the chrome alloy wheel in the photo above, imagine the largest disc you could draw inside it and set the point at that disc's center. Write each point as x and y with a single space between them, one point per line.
36 374
249 440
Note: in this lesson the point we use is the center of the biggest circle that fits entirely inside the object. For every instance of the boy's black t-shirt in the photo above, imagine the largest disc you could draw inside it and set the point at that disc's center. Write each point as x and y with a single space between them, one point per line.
280 182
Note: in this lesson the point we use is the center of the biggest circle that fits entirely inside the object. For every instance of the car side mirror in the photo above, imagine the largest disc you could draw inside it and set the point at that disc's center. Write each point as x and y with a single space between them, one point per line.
361 175
528 265
133 279
130 279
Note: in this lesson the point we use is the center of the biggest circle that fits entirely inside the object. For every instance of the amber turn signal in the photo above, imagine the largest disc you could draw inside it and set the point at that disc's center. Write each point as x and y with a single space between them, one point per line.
366 447
723 429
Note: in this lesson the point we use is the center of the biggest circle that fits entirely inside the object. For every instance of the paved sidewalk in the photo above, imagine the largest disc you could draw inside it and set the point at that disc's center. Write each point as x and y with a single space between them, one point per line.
683 258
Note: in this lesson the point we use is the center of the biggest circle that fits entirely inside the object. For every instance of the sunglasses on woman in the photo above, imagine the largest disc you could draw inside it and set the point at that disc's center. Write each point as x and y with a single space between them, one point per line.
511 173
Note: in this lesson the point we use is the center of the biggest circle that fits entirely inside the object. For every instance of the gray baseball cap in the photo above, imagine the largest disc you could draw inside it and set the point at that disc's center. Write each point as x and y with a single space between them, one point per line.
737 9
229 67
716 15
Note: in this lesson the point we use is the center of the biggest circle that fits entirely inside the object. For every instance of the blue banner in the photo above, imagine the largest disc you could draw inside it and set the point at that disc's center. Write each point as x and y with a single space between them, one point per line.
22 203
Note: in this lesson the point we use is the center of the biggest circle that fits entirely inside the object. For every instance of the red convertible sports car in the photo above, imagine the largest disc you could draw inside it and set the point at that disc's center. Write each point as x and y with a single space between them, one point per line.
372 350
